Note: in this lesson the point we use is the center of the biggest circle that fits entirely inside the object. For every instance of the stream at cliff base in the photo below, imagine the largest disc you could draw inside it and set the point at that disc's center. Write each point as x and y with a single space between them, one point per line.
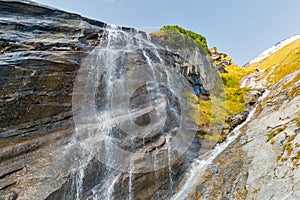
193 177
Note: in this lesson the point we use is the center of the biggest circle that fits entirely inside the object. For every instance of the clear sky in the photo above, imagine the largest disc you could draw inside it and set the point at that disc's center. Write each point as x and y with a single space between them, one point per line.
240 28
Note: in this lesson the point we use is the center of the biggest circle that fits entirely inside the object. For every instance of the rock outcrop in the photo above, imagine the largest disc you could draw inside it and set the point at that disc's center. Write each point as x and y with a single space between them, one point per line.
41 51
263 163
42 155
219 59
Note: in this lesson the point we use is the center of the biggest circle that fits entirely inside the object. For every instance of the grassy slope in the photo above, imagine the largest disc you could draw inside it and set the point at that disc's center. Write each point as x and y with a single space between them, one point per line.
273 70
235 100
280 64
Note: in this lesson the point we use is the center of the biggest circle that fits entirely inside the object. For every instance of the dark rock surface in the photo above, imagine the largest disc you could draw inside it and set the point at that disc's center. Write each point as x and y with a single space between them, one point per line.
41 50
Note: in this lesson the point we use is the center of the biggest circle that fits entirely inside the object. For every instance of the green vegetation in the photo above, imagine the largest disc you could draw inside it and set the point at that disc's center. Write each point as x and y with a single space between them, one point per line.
281 63
288 148
246 191
179 35
296 159
206 114
297 120
210 113
272 134
235 100
197 37
234 94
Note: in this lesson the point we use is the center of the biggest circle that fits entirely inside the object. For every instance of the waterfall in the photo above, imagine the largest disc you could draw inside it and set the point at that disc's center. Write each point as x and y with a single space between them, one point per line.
130 106
79 177
169 164
130 185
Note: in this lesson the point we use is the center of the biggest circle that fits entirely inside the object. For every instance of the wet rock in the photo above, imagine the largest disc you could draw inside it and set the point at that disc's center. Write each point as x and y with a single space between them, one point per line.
198 87
252 97
236 120
8 195
41 51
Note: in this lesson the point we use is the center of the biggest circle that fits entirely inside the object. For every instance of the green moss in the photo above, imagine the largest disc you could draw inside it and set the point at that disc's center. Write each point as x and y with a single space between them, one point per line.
178 37
272 134
255 191
297 156
291 138
195 36
246 191
281 154
296 159
297 120
278 158
288 149
295 163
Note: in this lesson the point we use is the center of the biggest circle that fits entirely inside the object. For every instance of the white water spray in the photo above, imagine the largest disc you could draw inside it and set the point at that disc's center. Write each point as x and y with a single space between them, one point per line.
170 164
130 184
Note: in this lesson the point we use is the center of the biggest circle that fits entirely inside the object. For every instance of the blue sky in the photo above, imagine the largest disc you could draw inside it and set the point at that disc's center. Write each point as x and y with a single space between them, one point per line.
240 28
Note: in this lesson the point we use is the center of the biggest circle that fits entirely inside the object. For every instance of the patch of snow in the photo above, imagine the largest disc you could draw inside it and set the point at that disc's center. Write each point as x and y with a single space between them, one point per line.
274 48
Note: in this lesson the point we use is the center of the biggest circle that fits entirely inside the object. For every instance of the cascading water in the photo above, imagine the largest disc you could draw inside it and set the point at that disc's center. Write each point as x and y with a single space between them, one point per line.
79 177
200 165
170 164
130 106
130 185
110 190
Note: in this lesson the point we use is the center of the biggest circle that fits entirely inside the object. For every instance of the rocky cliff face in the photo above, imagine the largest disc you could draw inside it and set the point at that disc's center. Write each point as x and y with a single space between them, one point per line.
41 51
44 154
263 163
63 106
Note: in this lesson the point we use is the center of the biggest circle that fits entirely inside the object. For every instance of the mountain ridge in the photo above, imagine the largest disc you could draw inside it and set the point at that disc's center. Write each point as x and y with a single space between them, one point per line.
264 54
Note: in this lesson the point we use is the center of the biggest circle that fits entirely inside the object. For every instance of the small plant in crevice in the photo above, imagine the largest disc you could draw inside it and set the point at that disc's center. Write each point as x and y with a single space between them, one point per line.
274 133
